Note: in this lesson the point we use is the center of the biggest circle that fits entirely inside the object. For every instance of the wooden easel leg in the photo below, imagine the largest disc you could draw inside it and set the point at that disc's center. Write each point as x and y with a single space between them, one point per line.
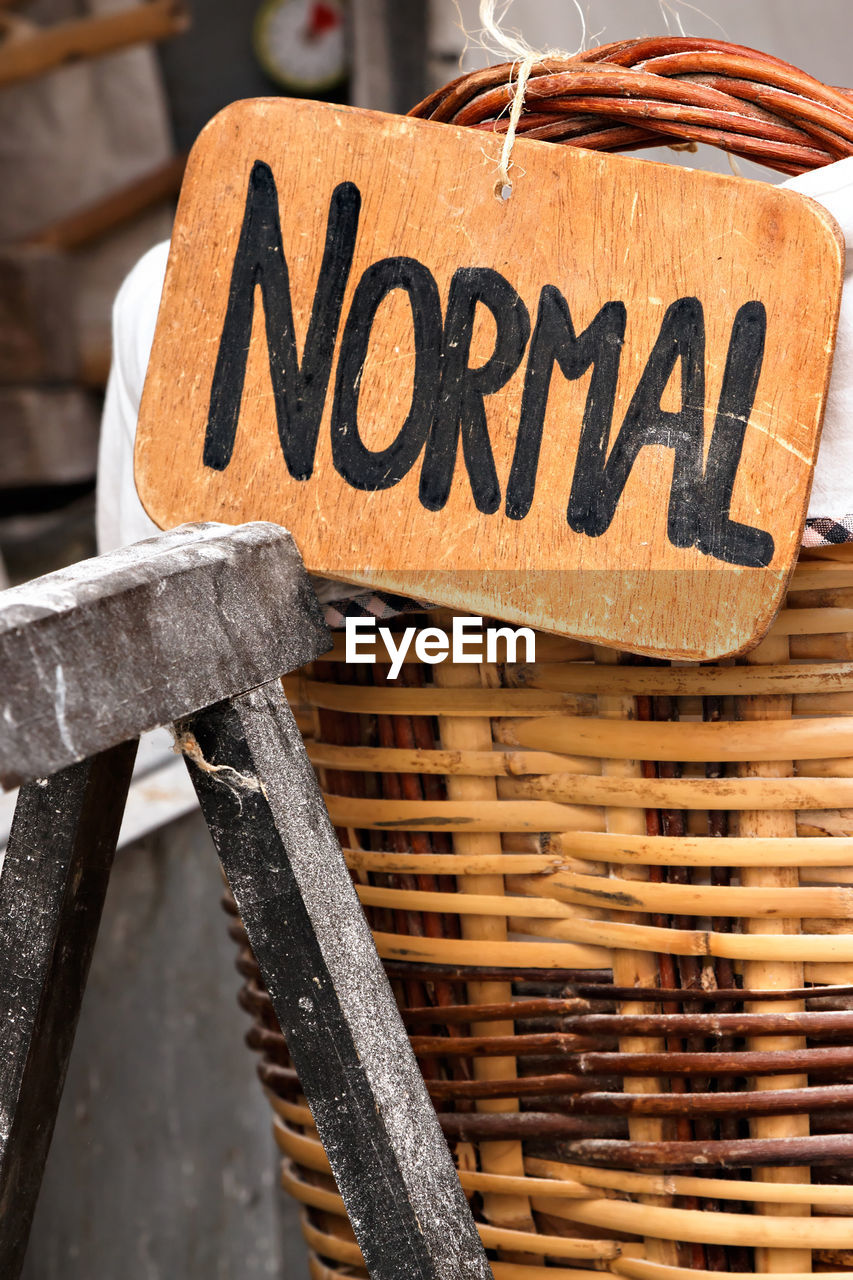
309 936
52 888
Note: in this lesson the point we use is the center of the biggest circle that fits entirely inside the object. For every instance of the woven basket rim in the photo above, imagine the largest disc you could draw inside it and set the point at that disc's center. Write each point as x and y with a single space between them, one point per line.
662 91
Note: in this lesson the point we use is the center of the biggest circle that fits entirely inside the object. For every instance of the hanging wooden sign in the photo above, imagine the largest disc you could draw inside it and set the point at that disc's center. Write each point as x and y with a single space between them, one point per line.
593 407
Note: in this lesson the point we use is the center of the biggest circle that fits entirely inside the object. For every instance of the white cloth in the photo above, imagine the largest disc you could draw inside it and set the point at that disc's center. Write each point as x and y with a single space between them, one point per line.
121 518
832 491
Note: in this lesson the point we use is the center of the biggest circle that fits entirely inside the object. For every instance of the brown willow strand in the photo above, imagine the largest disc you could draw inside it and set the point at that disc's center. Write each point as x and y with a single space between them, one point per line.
681 63
750 128
736 66
577 118
662 113
768 98
602 80
463 974
632 137
462 1013
284 1081
557 1047
687 126
519 1126
810 1152
617 52
409 921
669 977
811 1024
572 128
599 991
640 49
594 1026
609 1131
575 1094
422 729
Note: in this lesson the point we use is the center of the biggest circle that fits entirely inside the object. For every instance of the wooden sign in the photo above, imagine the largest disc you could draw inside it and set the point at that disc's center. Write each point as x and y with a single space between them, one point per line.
593 407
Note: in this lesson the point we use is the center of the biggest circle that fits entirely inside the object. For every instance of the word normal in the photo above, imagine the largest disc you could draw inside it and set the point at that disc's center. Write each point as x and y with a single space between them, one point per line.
448 394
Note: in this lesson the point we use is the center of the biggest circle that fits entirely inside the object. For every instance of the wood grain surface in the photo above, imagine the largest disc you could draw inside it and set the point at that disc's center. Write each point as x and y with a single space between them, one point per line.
593 406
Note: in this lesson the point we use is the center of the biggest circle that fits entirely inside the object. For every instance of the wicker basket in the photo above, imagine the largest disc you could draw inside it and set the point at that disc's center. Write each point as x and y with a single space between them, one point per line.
614 896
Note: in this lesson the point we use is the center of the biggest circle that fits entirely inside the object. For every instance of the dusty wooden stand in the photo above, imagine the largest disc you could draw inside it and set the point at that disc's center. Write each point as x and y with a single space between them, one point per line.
196 626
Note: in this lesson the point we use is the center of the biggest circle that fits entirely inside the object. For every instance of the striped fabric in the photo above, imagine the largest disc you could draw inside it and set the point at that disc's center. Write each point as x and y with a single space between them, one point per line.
369 604
824 532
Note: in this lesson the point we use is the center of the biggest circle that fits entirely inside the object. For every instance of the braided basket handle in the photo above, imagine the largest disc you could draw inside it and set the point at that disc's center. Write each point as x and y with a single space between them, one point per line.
667 90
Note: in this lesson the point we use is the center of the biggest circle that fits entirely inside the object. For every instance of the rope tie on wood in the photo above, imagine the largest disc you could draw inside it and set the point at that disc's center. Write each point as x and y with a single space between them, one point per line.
187 744
495 37
503 186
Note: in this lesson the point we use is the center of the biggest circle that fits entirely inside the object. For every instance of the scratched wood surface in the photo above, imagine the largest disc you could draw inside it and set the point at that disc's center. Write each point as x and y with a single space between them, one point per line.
52 888
593 406
204 611
307 932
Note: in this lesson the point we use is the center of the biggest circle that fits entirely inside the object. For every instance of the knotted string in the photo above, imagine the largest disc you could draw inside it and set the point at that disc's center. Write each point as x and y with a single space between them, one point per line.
503 186
513 46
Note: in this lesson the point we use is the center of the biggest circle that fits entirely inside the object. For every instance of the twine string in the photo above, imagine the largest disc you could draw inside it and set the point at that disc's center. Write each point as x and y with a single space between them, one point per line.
503 186
186 743
496 39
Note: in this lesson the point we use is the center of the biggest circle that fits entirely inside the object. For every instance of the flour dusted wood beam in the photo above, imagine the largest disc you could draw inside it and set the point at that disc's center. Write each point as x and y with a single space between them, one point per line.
103 650
331 997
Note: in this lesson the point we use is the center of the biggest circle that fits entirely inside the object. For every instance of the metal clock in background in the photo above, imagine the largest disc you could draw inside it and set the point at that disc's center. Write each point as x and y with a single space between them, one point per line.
302 45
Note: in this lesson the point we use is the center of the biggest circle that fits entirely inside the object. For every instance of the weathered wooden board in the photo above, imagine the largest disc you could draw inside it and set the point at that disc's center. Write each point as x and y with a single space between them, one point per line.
109 647
308 933
593 406
52 888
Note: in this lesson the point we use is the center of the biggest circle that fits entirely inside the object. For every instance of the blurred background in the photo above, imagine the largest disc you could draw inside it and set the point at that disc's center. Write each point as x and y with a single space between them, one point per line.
163 1165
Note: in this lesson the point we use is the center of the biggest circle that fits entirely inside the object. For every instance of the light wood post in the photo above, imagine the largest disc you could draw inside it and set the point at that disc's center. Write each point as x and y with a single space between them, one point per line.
767 975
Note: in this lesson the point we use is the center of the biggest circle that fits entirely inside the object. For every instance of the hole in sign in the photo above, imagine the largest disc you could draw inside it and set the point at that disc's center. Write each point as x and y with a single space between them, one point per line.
503 190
